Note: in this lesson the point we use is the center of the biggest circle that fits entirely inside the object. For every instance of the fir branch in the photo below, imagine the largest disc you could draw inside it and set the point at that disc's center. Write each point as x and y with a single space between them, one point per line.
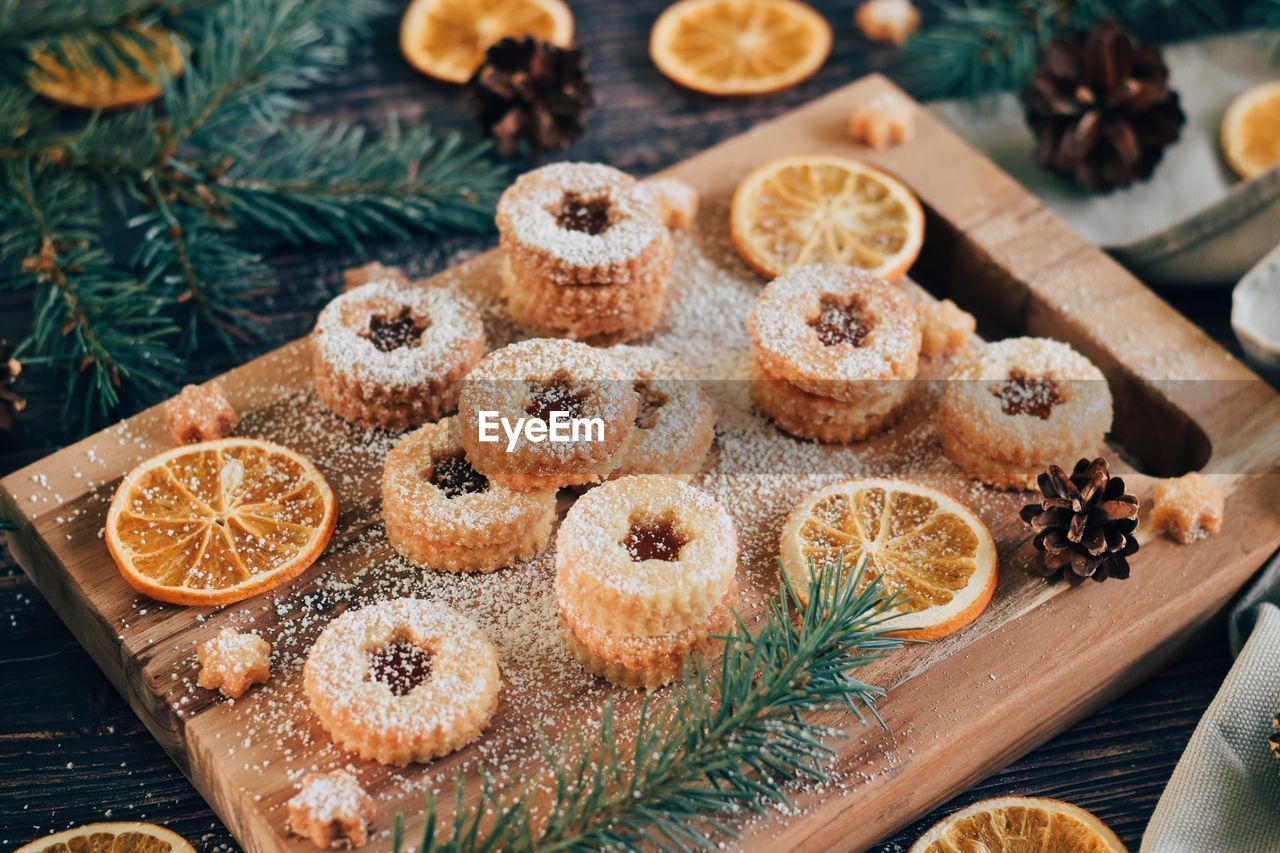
328 185
714 747
96 324
205 181
983 47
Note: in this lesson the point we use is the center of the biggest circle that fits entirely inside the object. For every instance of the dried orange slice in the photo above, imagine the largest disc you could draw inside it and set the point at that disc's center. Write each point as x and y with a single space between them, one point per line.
153 49
1251 130
818 208
117 837
217 522
922 543
739 47
1020 825
447 39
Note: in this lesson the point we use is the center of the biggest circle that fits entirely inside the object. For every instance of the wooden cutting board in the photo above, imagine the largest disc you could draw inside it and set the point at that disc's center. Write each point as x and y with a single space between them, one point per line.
1041 657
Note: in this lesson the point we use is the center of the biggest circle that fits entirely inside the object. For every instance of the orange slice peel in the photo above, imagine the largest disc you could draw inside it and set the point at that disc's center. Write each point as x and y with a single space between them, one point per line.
1251 131
117 837
447 39
739 47
218 522
1020 823
154 51
825 209
922 544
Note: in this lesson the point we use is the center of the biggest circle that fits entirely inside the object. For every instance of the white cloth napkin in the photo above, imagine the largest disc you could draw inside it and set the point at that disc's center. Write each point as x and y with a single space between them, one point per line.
1193 222
1224 796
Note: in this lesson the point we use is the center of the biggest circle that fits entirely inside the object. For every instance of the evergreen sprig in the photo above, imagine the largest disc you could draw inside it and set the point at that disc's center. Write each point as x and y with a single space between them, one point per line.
189 193
982 47
717 746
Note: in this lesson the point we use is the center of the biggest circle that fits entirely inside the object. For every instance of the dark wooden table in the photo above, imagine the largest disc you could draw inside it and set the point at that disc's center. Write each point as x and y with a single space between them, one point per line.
72 752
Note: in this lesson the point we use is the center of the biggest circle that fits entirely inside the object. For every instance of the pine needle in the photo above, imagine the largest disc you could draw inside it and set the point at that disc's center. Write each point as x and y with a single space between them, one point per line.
204 183
976 48
717 746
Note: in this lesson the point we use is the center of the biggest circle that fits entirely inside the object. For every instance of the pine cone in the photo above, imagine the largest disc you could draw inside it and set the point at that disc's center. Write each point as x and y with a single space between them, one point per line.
1101 108
10 402
1084 524
528 89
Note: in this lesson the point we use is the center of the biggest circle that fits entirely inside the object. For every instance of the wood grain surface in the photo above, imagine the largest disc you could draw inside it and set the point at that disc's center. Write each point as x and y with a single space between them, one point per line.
58 710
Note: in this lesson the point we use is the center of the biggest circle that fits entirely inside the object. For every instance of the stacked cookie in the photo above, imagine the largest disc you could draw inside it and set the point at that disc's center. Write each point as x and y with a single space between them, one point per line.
1014 407
393 356
645 575
834 352
587 251
441 513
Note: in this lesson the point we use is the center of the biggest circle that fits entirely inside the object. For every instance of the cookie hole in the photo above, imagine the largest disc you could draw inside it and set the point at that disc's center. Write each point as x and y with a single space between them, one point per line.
1022 394
589 216
389 332
653 539
556 395
651 401
454 476
840 322
400 665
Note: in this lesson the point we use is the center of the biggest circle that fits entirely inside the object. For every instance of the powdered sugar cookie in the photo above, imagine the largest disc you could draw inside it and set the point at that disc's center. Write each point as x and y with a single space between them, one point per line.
442 513
405 680
834 352
587 252
642 661
390 356
1012 408
675 421
645 555
540 380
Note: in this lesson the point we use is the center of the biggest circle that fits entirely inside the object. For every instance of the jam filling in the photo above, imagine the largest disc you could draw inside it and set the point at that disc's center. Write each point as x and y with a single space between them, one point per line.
651 401
590 216
400 666
454 476
653 540
389 332
840 322
1028 395
555 396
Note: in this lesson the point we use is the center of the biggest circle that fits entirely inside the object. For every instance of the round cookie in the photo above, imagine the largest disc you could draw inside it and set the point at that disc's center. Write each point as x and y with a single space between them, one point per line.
390 356
1012 408
535 379
401 681
442 513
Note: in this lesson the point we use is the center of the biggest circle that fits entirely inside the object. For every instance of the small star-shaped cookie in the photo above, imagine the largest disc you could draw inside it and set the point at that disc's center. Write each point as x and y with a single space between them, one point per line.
891 21
360 276
331 807
200 413
231 662
677 202
945 329
882 121
1188 507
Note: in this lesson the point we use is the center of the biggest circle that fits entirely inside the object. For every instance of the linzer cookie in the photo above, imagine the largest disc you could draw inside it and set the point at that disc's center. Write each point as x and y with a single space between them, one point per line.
546 413
834 351
385 355
675 421
645 574
1014 407
442 513
405 680
587 253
